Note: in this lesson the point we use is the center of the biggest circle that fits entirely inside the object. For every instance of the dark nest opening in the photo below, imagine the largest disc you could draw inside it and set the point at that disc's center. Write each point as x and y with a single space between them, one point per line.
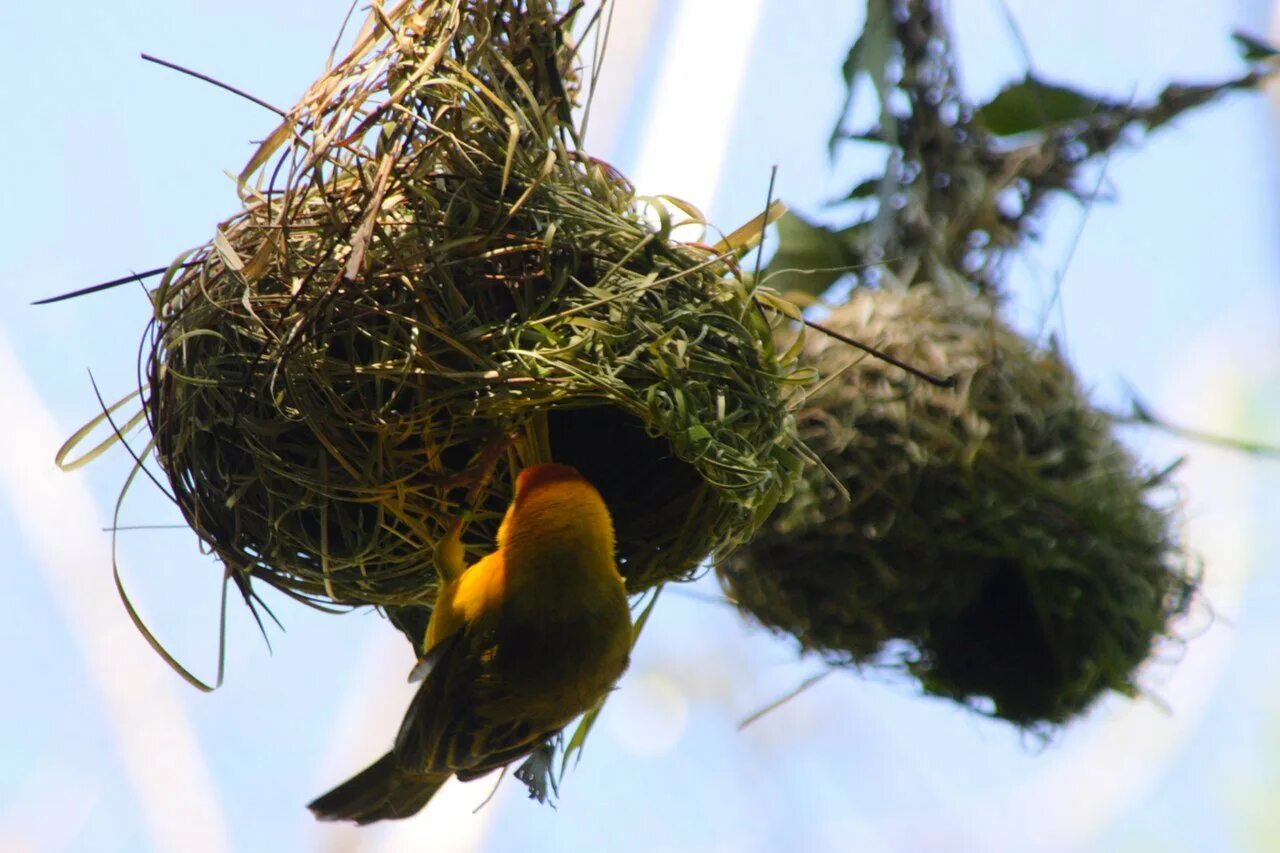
650 491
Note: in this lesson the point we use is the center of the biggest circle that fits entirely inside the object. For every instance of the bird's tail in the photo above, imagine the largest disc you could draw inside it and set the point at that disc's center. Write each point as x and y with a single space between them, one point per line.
382 791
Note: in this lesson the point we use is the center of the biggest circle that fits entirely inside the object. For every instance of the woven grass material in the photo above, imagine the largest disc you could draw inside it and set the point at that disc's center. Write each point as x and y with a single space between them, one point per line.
428 287
998 529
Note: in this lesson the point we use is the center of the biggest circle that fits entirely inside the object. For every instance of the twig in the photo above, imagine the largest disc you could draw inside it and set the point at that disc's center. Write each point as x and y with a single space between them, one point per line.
948 382
492 791
778 703
768 203
115 282
206 78
1143 417
106 410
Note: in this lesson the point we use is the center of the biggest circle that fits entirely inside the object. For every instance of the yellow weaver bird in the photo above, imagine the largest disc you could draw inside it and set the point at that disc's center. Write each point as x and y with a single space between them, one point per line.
519 644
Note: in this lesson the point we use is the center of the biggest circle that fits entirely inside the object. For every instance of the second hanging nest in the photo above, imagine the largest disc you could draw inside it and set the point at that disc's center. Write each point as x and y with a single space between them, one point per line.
998 532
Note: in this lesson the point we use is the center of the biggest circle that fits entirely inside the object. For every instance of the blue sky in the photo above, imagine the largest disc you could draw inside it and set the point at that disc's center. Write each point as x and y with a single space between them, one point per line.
116 165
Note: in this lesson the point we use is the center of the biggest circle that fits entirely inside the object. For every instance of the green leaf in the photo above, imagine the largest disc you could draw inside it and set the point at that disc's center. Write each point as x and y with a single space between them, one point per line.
1034 105
1178 98
643 618
867 189
1254 49
809 258
873 135
697 433
870 54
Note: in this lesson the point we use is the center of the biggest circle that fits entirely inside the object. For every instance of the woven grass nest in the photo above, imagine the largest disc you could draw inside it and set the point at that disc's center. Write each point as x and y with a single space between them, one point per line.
997 532
428 287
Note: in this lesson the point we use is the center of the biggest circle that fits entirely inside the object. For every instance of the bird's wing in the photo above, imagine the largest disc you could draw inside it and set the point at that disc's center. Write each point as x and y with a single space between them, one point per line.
449 727
438 707
426 663
522 745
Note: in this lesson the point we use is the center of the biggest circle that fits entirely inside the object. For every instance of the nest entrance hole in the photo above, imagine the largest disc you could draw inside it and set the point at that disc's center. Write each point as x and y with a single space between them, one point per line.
650 492
999 647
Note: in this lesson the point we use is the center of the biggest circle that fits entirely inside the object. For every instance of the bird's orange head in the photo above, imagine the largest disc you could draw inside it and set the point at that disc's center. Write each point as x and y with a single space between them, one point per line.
557 516
536 476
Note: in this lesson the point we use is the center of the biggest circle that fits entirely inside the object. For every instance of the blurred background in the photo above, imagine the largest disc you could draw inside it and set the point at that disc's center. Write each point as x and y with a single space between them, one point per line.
1170 287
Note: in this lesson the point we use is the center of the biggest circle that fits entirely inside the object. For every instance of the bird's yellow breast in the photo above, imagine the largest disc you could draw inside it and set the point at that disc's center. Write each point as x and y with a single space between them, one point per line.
549 603
555 555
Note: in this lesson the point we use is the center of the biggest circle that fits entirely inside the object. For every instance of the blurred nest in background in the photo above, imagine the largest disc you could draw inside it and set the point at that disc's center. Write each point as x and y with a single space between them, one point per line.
429 286
998 529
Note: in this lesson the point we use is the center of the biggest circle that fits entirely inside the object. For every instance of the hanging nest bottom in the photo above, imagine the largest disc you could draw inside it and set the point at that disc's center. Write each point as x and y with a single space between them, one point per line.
998 529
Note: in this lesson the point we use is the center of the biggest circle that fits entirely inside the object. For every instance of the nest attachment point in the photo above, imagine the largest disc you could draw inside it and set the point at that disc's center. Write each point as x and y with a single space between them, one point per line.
998 532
